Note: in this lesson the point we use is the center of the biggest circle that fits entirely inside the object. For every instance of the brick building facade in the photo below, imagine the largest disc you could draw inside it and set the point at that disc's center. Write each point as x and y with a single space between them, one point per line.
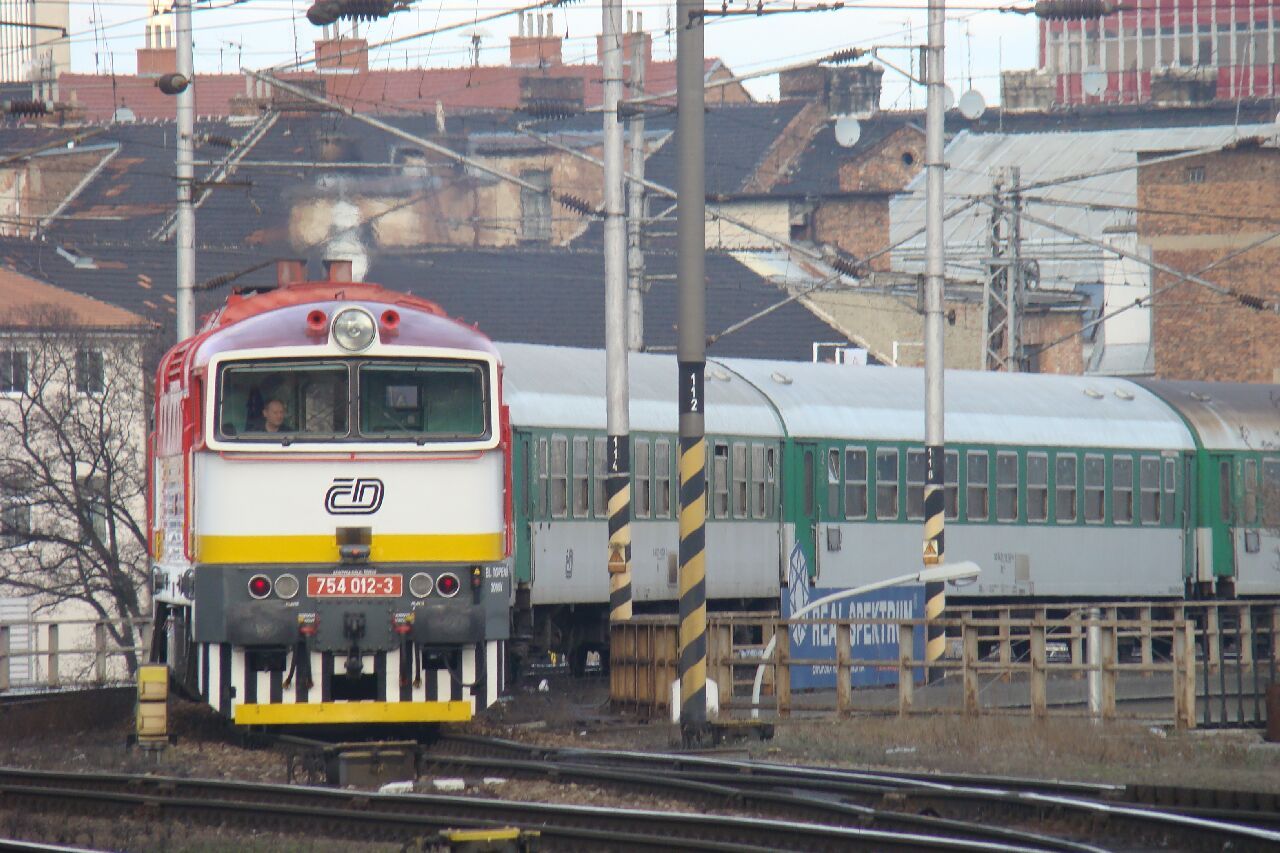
1212 210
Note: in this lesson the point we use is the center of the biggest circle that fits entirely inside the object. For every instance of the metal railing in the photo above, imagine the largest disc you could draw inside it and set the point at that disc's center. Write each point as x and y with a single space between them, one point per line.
56 654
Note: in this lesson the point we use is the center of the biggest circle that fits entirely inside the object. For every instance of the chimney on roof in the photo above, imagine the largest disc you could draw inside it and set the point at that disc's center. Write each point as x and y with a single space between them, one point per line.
337 270
290 271
342 55
851 90
635 30
536 51
158 54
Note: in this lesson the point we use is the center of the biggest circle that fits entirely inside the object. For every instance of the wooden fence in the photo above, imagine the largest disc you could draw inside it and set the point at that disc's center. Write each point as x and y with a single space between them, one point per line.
62 653
1108 661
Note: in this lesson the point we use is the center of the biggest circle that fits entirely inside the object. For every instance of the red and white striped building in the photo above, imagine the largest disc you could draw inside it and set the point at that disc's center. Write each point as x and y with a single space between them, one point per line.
1228 48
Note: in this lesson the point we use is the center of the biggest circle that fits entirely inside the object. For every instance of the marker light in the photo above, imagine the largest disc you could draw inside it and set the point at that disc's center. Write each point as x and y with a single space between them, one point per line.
286 586
448 585
420 585
259 586
353 329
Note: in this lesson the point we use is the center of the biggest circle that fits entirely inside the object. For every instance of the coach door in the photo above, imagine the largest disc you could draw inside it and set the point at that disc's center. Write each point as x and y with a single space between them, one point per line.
802 494
1224 517
522 505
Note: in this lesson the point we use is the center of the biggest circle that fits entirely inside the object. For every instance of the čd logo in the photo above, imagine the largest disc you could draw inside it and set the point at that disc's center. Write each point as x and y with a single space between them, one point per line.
354 496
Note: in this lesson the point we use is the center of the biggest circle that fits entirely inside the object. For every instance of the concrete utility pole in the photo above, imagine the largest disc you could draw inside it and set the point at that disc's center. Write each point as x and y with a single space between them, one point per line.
691 357
618 484
935 269
636 199
186 233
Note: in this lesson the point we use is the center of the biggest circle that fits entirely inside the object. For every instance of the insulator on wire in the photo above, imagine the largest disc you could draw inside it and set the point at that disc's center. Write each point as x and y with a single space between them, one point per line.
326 12
26 108
550 108
846 266
1074 10
1257 303
217 140
849 54
576 204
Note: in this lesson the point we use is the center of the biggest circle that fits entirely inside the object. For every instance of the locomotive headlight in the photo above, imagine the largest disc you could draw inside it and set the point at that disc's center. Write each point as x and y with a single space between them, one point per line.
353 329
421 585
286 586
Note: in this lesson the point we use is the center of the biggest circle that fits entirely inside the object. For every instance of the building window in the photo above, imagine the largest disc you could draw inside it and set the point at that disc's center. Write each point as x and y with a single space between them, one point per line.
559 476
13 372
662 482
1037 487
1149 483
720 480
915 484
1065 487
15 517
1006 487
887 484
977 495
1122 490
643 484
601 470
1095 484
90 374
951 483
581 478
1195 175
97 511
855 483
739 479
535 208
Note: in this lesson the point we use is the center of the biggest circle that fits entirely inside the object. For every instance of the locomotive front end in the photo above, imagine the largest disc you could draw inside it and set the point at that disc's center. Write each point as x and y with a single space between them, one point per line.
348 525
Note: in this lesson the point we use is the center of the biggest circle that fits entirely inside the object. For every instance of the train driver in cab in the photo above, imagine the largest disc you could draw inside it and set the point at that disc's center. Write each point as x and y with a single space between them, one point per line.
273 415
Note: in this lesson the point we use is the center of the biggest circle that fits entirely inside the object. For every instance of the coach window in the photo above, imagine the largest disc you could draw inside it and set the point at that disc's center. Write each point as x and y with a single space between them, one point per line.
1250 488
662 480
1064 473
581 478
977 492
643 501
1170 489
759 505
1122 490
1271 492
770 479
855 482
1095 485
720 479
600 468
739 479
951 484
1037 487
915 484
833 482
887 474
540 471
1006 487
559 476
1149 484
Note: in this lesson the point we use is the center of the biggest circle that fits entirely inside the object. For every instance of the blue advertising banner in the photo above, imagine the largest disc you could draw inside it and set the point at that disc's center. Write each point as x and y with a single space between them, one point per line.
869 642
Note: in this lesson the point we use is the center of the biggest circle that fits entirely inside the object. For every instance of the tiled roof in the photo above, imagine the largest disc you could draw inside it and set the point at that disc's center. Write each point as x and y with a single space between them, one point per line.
26 301
817 172
484 87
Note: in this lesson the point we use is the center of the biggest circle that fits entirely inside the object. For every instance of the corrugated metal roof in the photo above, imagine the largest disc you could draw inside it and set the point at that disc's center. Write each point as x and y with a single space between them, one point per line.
1044 156
1226 415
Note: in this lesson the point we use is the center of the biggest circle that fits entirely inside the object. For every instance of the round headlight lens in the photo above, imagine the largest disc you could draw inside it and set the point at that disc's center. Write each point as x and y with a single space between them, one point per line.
447 585
259 586
286 586
353 329
420 585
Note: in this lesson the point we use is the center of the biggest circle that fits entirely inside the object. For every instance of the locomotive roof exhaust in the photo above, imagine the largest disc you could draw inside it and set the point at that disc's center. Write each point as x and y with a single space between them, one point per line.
290 271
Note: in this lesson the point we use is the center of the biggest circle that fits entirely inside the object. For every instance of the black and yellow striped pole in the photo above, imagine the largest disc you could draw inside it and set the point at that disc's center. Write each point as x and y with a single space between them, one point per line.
618 489
935 269
691 353
618 480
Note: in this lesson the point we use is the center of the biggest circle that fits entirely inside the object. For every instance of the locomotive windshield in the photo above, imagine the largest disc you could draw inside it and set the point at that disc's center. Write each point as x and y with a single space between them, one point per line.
417 400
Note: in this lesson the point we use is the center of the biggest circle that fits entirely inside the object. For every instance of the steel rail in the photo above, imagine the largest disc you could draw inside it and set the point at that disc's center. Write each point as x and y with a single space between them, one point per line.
363 814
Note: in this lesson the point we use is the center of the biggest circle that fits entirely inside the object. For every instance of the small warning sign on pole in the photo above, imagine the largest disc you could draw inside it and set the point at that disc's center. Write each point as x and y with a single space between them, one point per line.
617 562
930 551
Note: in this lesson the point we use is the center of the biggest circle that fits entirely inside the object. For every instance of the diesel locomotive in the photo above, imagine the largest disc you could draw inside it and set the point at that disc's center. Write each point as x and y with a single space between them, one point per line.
329 472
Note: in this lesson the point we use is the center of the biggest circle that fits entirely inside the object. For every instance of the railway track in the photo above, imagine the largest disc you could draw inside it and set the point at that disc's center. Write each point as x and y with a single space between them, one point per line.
410 817
1000 810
